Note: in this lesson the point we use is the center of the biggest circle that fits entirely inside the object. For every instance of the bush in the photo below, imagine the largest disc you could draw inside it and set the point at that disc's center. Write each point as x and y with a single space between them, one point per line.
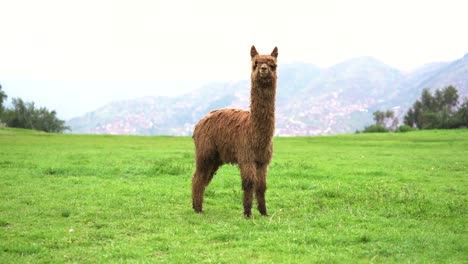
375 129
405 128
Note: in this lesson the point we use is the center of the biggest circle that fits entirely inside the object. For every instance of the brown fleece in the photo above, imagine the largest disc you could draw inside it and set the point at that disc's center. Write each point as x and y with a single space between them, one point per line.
240 137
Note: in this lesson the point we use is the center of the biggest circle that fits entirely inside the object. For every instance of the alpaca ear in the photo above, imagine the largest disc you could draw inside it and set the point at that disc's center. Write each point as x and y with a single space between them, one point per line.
274 53
253 52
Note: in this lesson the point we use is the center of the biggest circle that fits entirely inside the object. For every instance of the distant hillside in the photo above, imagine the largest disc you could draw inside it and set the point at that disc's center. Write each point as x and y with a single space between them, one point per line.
310 100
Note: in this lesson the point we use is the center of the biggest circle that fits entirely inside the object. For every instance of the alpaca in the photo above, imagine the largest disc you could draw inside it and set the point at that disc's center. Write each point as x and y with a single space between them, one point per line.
240 137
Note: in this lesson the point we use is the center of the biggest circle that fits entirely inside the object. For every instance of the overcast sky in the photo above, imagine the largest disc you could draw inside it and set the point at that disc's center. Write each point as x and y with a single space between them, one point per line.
169 47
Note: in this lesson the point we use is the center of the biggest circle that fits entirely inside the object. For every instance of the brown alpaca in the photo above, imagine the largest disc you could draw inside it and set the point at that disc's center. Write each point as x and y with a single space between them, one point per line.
240 137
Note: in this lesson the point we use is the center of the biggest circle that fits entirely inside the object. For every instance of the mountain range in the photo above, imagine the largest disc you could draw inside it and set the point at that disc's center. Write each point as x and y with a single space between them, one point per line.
310 100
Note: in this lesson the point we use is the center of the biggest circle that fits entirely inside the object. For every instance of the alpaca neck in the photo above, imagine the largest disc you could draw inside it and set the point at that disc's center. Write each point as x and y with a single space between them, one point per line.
262 107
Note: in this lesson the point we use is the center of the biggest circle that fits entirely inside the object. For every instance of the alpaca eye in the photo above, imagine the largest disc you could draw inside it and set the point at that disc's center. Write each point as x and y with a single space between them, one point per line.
273 67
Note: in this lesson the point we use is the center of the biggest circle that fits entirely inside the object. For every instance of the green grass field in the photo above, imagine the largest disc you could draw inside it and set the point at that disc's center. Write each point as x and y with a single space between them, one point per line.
366 198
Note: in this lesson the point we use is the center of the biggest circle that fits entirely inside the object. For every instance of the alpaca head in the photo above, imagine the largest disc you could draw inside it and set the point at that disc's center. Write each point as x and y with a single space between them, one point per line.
264 68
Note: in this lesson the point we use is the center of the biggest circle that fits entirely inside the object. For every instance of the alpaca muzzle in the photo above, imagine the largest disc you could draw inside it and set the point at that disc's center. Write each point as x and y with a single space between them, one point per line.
264 70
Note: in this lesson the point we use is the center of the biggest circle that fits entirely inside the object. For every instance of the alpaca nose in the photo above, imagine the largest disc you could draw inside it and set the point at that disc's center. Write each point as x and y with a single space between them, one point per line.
264 67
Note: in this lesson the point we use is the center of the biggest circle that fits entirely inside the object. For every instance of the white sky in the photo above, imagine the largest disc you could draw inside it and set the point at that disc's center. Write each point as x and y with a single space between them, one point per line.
187 43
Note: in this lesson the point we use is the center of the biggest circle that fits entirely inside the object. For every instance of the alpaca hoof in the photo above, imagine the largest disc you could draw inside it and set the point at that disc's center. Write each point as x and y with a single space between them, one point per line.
263 212
198 211
247 215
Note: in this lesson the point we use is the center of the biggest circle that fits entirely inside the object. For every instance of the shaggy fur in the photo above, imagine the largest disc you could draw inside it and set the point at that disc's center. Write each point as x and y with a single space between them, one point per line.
240 137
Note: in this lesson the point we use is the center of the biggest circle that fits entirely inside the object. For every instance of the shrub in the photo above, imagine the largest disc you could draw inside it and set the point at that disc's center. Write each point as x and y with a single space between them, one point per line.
375 129
405 128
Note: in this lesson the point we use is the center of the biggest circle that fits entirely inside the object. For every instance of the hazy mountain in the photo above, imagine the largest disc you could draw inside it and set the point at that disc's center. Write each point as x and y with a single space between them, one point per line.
433 76
455 73
310 100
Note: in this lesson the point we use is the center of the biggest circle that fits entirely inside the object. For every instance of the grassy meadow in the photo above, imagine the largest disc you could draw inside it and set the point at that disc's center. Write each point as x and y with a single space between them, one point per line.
365 198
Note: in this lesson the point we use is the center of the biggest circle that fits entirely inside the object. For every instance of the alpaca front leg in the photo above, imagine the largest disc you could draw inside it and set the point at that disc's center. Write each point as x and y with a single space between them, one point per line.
248 187
248 176
260 189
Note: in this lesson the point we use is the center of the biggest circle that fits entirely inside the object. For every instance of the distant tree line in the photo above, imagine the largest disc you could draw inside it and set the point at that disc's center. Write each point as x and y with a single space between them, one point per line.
432 111
438 111
26 115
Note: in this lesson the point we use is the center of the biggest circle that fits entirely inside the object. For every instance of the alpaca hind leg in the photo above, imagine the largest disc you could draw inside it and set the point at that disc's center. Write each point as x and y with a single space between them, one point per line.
198 189
260 189
200 180
248 184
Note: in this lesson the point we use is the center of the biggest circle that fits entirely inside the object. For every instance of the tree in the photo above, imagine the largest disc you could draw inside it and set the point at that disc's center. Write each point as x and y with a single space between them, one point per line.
409 118
379 117
384 122
418 114
18 115
391 120
25 115
450 98
427 101
434 111
462 114
386 119
3 98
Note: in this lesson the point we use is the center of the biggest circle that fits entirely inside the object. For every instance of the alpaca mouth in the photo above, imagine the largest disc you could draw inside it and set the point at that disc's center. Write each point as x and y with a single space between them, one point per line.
263 74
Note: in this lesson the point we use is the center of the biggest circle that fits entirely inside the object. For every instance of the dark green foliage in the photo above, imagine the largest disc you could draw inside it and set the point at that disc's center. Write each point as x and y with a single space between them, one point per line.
26 115
385 121
379 117
405 128
436 111
3 97
65 213
375 129
450 98
409 118
462 114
